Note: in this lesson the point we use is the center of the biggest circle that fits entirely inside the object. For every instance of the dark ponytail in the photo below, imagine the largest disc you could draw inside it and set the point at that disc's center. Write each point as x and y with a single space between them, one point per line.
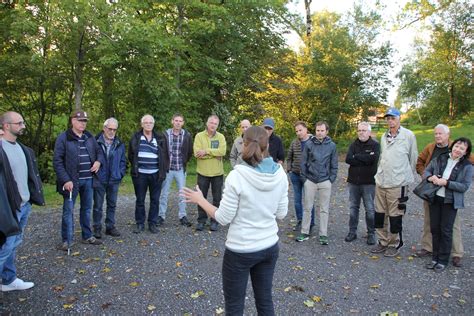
255 145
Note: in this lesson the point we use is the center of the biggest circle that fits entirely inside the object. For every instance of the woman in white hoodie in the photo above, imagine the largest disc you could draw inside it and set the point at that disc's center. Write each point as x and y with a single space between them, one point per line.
255 195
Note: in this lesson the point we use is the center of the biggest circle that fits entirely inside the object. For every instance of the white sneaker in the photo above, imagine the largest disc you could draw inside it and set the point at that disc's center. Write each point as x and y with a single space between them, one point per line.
17 285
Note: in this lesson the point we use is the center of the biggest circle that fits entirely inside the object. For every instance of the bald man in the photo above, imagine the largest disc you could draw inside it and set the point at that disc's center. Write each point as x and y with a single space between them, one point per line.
236 151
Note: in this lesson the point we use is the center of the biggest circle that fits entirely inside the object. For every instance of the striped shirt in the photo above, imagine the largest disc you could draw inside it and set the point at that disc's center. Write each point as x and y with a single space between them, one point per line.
148 157
85 163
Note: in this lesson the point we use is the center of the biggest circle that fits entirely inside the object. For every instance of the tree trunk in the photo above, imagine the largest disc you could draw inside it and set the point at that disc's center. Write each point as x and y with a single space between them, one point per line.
78 73
108 91
452 103
309 23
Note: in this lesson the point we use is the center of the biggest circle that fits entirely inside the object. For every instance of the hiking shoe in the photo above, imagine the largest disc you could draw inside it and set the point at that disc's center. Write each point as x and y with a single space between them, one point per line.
323 240
391 252
431 265
91 241
457 262
423 253
371 240
184 221
98 233
160 221
63 246
214 226
297 227
200 226
17 285
153 228
112 232
139 229
439 267
350 237
379 249
302 237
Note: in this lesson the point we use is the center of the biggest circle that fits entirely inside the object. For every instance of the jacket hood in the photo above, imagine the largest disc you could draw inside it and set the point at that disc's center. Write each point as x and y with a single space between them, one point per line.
72 136
259 178
326 140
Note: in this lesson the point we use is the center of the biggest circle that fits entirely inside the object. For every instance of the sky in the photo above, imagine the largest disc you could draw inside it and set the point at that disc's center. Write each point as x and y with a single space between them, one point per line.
402 40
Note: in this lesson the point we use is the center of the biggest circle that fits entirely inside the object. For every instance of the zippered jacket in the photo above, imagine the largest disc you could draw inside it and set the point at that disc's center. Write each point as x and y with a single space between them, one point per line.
319 160
362 158
114 166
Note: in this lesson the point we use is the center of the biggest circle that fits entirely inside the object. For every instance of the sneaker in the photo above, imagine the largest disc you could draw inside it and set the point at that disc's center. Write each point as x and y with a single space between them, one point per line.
391 252
302 237
160 221
98 233
297 227
17 285
457 262
371 240
379 249
184 221
91 241
139 229
323 240
153 228
423 253
63 246
214 226
112 232
431 265
350 237
200 226
439 267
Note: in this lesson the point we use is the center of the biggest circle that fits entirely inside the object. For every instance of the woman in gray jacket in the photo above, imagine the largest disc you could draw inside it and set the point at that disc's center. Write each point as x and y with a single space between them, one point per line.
452 172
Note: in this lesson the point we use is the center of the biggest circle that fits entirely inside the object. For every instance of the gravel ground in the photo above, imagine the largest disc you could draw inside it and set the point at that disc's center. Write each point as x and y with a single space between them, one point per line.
178 270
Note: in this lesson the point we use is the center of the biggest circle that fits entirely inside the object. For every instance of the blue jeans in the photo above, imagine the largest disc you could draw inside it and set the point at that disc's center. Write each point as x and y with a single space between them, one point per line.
298 186
8 250
236 268
110 191
85 191
142 183
180 177
366 192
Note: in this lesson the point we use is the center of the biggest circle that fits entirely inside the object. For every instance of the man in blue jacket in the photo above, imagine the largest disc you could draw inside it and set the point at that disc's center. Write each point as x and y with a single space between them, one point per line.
318 172
77 158
110 175
20 186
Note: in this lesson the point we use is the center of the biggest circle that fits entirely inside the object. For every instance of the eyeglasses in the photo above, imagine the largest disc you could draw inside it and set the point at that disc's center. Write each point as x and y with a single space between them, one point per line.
18 123
111 129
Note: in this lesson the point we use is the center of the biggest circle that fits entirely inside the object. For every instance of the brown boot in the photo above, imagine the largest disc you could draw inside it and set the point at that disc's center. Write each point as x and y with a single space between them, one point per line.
457 262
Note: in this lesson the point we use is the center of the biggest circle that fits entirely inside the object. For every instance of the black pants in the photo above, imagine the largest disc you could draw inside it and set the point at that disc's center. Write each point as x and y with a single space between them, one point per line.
442 221
216 187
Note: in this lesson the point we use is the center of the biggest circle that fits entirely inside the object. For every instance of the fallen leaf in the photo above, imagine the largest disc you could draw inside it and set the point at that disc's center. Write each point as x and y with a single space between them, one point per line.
410 258
347 287
375 286
416 296
434 307
75 254
330 257
356 263
197 294
446 294
321 280
317 299
461 301
215 253
106 305
388 314
179 264
309 303
180 276
58 288
106 269
21 299
87 260
296 288
129 270
290 235
354 311
119 241
134 284
92 286
81 271
297 268
291 258
398 258
67 306
71 299
151 308
74 281
219 311
374 257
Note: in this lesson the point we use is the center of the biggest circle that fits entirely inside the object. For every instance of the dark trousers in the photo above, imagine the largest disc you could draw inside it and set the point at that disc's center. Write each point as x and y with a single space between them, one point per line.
366 193
110 192
216 187
236 268
442 218
141 184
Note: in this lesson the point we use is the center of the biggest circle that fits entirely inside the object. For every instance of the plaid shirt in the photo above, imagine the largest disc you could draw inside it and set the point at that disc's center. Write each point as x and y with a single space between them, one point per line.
175 143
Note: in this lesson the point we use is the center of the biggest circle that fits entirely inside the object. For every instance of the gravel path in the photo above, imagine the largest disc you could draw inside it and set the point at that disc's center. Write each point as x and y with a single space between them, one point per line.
178 270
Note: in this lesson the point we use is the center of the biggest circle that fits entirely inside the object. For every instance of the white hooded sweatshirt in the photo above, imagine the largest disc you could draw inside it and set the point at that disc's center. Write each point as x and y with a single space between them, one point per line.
252 201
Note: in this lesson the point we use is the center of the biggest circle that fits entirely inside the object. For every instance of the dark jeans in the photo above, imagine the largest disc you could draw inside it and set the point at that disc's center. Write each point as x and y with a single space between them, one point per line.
366 192
236 268
141 184
110 191
298 186
216 184
442 218
85 191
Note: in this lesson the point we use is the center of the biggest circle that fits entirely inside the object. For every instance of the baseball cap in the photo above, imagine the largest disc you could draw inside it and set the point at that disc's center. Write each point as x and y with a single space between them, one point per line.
269 122
80 115
392 112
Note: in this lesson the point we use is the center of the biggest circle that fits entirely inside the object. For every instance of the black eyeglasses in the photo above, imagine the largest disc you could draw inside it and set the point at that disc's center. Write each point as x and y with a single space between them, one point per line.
18 123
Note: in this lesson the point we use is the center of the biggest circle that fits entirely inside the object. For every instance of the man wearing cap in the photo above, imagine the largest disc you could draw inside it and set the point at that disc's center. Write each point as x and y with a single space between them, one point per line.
148 156
110 175
394 173
20 186
236 151
77 159
209 150
275 145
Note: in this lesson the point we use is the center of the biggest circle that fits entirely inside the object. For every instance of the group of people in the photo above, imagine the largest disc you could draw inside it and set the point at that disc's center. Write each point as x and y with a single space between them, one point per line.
255 194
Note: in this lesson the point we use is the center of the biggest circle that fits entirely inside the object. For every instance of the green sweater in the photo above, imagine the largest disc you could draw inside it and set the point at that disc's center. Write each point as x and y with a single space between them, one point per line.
212 164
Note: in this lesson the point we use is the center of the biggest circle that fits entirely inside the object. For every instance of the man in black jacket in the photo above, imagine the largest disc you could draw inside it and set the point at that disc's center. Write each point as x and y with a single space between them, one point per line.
275 145
362 158
22 186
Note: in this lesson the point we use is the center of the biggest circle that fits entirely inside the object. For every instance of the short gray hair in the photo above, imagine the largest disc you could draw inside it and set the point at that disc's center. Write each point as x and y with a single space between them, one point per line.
445 128
111 120
147 115
367 124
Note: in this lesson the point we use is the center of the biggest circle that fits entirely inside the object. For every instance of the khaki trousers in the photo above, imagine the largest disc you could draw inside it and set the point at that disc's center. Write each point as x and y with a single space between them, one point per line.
386 201
323 192
427 239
